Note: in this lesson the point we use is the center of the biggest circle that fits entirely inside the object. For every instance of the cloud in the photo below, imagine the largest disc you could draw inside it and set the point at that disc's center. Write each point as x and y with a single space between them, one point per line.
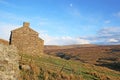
107 35
64 40
113 40
110 32
9 22
117 14
5 30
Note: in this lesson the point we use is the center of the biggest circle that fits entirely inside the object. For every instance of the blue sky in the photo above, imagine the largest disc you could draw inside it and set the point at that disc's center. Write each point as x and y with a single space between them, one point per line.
64 22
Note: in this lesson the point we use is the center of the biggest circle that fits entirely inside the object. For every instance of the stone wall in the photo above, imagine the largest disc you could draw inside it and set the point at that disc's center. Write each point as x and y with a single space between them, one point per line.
9 63
27 40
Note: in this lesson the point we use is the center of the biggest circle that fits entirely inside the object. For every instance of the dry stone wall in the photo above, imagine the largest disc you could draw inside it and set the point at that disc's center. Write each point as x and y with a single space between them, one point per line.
9 63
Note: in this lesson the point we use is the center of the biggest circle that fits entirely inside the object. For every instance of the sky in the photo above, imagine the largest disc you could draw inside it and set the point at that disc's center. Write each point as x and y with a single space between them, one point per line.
64 22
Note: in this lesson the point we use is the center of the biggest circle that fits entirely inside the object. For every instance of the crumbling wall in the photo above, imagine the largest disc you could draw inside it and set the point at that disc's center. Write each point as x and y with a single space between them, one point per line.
9 63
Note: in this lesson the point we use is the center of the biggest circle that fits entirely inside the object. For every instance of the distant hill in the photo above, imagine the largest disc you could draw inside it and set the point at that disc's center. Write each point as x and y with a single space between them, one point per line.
5 42
104 55
68 46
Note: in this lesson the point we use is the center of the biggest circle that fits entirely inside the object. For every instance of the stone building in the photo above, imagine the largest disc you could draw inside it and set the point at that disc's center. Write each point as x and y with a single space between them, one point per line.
27 40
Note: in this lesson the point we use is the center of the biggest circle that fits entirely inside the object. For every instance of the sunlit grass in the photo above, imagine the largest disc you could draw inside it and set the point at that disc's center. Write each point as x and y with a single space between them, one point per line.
52 67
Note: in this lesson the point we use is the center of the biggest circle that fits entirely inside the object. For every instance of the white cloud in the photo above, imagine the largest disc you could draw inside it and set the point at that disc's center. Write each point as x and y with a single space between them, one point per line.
113 40
110 32
5 30
109 35
64 40
106 35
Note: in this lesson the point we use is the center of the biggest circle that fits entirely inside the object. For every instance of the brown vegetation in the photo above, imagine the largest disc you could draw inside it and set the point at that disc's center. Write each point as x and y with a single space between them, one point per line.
4 42
53 68
108 56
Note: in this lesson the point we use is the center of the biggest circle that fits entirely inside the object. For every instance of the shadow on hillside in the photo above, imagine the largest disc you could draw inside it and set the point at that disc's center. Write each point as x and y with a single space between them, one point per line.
114 65
63 55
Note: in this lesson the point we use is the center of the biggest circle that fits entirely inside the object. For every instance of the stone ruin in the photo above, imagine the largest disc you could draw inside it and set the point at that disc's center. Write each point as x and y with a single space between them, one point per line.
27 40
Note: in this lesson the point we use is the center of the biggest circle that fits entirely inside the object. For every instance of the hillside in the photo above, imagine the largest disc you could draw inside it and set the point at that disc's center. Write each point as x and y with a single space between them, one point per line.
47 47
107 56
53 68
5 42
47 67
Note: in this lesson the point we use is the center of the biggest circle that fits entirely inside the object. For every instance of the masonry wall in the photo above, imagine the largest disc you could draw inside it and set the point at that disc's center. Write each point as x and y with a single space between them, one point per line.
27 41
9 63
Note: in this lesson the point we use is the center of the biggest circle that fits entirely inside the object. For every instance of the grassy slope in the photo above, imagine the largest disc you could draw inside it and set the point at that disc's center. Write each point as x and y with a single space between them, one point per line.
93 55
53 68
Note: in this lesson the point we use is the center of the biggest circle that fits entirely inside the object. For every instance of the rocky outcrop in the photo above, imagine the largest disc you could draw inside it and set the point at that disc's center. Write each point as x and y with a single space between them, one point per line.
9 63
